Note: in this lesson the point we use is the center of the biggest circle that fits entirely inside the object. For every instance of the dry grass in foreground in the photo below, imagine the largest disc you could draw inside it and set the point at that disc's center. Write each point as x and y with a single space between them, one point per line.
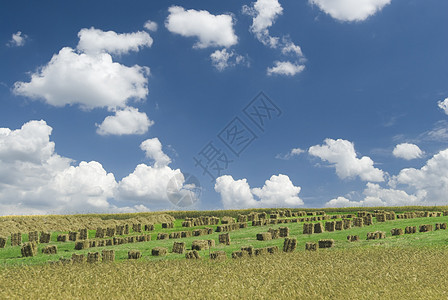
389 273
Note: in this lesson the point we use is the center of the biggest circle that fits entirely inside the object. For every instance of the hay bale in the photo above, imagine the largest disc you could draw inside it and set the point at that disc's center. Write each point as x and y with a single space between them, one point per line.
100 233
211 243
275 233
239 254
260 251
381 217
318 228
149 227
119 240
242 218
227 220
187 224
283 231
353 238
50 249
83 234
134 254
311 246
45 237
377 235
108 255
185 234
217 255
65 261
272 249
179 247
163 236
168 225
119 229
192 255
109 242
80 245
16 239
425 228
93 257
368 220
224 238
209 230
138 227
78 258
327 243
33 236
62 238
159 251
273 221
339 225
92 243
3 242
199 245
110 231
440 226
308 228
347 223
410 229
131 239
248 249
73 236
358 222
100 243
242 225
264 236
396 231
330 226
289 245
175 235
29 249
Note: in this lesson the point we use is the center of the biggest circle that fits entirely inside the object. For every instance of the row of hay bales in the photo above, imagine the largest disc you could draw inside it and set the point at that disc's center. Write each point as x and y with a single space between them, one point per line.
33 236
107 255
85 244
321 244
330 226
200 221
102 232
421 228
231 227
273 234
30 249
421 214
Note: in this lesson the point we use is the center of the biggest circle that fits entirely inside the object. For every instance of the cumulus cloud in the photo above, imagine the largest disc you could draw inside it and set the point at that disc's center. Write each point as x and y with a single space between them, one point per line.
150 25
264 13
350 10
153 150
291 48
18 39
210 30
90 79
292 153
341 155
223 59
407 151
278 191
125 122
443 105
286 68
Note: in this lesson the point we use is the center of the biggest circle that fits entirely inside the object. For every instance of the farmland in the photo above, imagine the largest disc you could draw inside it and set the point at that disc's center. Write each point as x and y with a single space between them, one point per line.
392 266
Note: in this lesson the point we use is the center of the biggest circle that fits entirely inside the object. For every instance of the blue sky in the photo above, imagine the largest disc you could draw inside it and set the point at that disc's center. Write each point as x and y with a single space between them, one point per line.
105 103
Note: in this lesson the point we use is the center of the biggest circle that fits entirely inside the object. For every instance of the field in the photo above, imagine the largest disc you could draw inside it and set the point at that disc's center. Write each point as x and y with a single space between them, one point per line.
409 266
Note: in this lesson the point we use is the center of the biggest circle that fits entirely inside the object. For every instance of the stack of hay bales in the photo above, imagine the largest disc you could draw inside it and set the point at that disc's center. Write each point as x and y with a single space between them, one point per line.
16 239
119 240
110 231
347 223
83 234
2 242
33 236
149 227
100 233
62 238
264 236
134 254
109 242
224 238
216 255
249 250
185 234
253 216
159 251
45 237
175 235
93 257
137 227
119 229
368 220
80 245
227 220
242 225
358 222
73 236
353 238
29 249
131 239
284 231
311 246
308 228
275 233
289 245
425 228
273 216
262 215
396 231
377 235
78 258
327 243
390 216
50 249
126 228
199 245
168 225
318 227
440 226
108 255
163 236
272 249
192 255
187 224
330 226
199 232
410 229
179 247
381 217
273 221
100 243
242 218
339 225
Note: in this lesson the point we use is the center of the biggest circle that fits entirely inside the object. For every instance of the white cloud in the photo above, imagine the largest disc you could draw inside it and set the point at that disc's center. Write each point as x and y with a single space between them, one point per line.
407 151
350 10
292 153
344 202
278 191
264 14
211 30
291 48
223 59
125 122
153 150
285 68
443 105
341 154
18 39
150 25
90 80
93 41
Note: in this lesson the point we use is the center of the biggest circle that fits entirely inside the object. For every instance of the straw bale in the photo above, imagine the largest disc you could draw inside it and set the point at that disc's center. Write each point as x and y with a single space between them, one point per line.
108 255
83 234
248 249
218 255
93 257
167 225
80 245
272 249
163 236
326 243
224 238
33 236
149 227
289 245
410 229
330 226
200 245
396 231
425 228
29 249
308 228
78 258
264 236
179 247
3 242
100 233
311 246
192 255
159 251
73 236
135 254
16 239
260 251
353 238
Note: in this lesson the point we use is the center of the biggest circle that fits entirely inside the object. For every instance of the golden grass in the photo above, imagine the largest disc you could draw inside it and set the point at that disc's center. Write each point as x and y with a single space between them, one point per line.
386 273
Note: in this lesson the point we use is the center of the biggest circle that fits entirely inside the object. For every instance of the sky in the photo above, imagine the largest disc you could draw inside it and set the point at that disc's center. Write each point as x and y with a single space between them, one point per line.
129 106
